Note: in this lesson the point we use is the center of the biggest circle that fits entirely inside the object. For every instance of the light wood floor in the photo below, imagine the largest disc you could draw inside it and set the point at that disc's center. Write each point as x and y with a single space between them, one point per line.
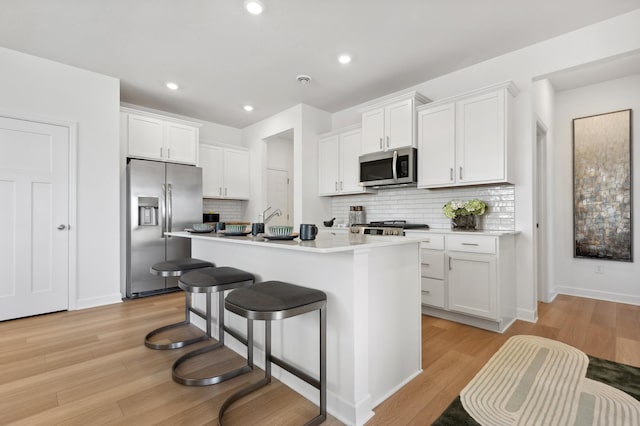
90 367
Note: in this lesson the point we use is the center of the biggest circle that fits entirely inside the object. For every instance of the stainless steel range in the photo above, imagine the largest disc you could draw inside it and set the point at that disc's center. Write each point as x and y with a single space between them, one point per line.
386 227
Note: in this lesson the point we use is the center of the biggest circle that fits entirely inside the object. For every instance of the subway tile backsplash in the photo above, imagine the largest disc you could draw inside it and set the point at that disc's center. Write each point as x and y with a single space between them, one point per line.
229 210
425 205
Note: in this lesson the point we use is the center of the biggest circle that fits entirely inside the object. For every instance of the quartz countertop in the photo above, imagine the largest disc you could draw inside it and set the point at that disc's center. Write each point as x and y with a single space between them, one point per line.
420 232
325 242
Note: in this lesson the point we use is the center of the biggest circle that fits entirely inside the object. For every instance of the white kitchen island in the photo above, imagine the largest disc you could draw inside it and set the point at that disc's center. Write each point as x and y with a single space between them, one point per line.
373 311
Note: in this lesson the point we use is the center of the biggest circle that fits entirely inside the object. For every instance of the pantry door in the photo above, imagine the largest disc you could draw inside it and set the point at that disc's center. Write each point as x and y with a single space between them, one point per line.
34 218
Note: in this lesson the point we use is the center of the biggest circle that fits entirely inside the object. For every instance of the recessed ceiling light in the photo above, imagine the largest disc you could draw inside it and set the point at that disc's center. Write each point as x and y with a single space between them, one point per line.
344 59
248 108
255 7
172 86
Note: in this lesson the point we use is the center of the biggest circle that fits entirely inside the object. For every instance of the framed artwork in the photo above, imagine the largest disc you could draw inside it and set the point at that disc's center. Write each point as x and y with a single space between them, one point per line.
602 187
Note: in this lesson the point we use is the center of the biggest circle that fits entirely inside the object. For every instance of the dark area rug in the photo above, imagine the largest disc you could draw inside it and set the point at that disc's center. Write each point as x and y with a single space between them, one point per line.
620 376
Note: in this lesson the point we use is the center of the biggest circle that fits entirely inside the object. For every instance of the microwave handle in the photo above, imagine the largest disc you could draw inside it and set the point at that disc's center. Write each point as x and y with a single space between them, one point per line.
394 163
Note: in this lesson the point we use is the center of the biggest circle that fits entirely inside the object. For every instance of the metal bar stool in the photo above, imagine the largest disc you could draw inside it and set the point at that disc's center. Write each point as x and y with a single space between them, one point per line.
215 280
175 268
275 300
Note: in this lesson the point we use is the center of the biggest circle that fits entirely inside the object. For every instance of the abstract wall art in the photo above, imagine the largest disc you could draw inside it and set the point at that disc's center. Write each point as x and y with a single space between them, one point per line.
602 192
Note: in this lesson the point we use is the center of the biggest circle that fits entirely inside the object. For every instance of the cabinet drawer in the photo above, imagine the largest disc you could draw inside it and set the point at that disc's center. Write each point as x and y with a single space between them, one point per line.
471 243
433 292
435 242
432 264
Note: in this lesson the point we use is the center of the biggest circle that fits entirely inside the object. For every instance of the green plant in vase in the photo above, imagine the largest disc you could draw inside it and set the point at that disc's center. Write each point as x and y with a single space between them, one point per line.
464 214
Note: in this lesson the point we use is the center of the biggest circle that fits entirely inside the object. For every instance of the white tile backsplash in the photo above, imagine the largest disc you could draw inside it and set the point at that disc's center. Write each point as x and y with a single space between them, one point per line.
425 205
229 210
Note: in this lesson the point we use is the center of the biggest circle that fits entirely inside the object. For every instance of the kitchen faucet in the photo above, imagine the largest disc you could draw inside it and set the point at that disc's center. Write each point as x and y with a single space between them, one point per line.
276 212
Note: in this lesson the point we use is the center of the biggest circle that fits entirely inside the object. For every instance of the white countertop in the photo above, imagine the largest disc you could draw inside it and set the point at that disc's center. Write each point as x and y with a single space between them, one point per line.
420 232
325 242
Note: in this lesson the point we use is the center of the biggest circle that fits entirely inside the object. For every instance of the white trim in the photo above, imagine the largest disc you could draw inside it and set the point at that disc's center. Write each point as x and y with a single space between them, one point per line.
599 295
527 315
92 302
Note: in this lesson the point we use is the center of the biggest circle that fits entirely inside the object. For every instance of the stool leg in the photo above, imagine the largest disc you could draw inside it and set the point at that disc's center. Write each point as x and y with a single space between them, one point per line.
206 381
323 371
186 321
255 386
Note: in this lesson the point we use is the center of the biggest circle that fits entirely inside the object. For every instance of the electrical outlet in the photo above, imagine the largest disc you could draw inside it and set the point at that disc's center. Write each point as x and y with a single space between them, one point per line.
599 269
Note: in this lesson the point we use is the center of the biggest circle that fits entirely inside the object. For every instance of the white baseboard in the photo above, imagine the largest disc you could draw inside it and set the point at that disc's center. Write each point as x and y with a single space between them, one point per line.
92 302
527 315
599 295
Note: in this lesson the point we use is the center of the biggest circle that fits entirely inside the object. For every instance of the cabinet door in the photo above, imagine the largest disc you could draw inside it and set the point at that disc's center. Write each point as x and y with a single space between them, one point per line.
436 146
480 150
328 165
181 142
350 145
145 137
399 125
236 174
472 285
211 162
373 131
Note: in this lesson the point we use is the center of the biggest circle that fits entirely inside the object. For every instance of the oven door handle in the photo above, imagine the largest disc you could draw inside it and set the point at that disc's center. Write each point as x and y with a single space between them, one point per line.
394 163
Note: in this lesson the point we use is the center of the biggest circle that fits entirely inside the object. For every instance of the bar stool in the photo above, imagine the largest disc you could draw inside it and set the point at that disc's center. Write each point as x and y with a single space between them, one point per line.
275 300
175 268
215 280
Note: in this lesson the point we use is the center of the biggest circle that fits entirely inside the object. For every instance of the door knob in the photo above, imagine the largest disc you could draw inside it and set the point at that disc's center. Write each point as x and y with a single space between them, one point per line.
61 227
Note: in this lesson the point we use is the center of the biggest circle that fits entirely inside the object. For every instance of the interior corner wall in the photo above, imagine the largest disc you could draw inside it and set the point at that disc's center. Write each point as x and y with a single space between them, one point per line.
41 89
618 280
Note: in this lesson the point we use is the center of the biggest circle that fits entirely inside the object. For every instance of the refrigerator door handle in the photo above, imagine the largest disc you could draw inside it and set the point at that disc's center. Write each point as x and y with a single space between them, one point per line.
163 207
170 209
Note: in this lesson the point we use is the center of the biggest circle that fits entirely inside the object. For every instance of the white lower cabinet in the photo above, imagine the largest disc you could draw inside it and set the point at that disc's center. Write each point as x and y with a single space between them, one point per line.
468 278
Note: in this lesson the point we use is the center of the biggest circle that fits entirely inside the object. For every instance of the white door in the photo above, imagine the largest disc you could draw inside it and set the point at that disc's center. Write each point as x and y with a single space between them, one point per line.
145 136
236 174
211 162
349 153
34 217
373 131
278 196
398 125
436 146
181 143
473 287
329 165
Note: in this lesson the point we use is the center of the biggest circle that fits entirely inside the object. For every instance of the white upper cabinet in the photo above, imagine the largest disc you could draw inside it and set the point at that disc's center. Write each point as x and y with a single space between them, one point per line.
154 137
466 140
225 172
338 164
390 124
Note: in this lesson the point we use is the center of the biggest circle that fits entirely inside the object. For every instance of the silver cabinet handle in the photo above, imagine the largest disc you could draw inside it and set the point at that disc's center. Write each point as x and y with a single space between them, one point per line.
380 143
160 152
394 163
220 191
449 263
225 192
387 141
341 185
168 152
470 244
427 291
61 227
451 174
460 172
426 264
428 240
336 186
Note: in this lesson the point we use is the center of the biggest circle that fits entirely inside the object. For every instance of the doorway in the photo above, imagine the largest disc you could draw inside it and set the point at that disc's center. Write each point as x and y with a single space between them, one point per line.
34 215
279 173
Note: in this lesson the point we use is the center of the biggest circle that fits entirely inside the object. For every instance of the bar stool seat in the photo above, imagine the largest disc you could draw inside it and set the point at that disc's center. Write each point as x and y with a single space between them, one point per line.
275 300
175 268
215 280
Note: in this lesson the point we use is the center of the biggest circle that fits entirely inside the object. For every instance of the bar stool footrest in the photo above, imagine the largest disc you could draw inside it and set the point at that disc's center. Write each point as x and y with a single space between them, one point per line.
205 381
241 394
172 345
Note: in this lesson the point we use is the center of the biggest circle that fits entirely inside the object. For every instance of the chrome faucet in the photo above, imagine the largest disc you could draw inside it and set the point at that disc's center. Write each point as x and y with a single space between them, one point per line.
276 212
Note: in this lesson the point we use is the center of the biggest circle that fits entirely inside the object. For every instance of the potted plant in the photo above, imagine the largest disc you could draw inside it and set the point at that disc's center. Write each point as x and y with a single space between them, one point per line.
464 214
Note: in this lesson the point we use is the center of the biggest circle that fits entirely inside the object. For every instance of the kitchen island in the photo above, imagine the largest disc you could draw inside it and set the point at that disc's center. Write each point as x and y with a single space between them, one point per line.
373 311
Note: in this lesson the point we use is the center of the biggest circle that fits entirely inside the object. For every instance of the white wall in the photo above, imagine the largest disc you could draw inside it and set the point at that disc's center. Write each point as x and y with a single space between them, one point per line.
37 88
307 122
619 280
609 38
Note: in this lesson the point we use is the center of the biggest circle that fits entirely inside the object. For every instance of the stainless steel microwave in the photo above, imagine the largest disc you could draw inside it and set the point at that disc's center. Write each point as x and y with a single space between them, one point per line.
396 167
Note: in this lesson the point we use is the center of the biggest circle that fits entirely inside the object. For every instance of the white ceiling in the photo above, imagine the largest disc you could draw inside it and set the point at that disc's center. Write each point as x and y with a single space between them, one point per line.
224 58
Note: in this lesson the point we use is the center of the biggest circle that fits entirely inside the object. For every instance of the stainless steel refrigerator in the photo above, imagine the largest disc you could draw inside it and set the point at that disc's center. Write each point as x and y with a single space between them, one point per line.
161 197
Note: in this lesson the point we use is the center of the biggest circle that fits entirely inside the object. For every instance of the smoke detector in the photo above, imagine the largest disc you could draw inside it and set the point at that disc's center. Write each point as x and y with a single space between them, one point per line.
303 80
